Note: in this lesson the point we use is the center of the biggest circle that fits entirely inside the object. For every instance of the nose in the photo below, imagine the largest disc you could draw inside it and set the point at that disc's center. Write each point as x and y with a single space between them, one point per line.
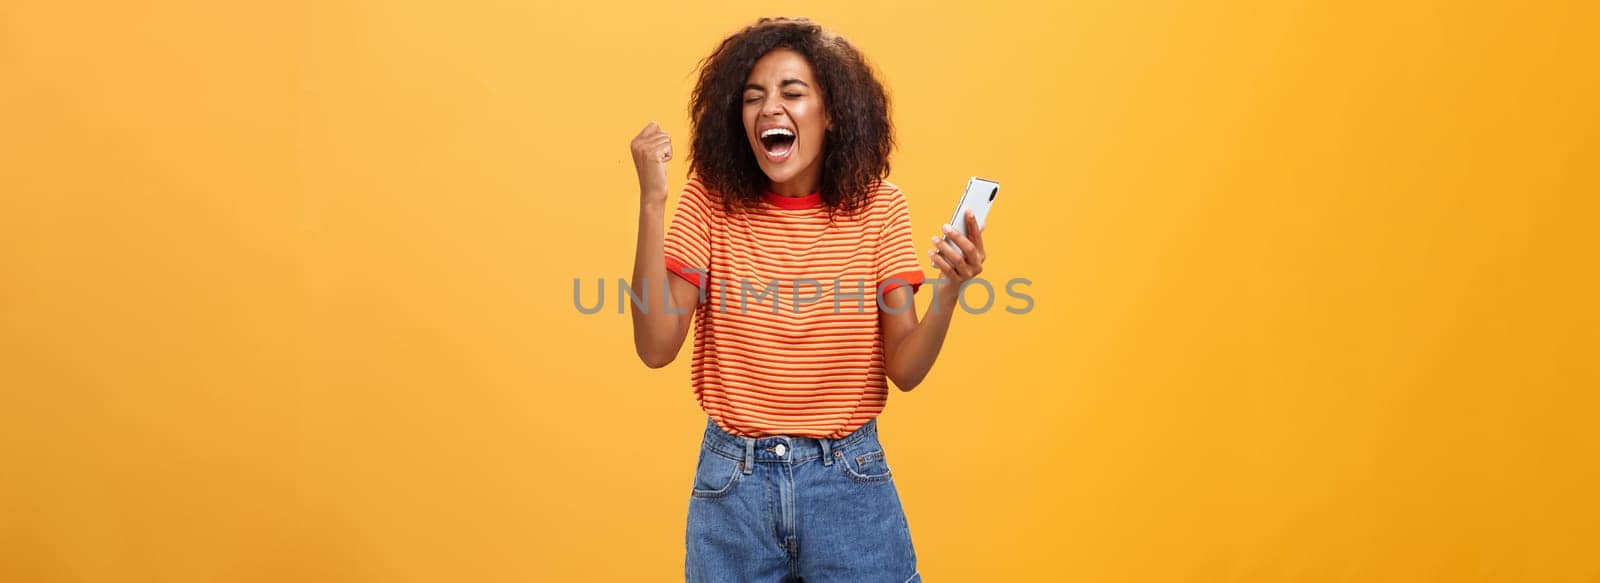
773 107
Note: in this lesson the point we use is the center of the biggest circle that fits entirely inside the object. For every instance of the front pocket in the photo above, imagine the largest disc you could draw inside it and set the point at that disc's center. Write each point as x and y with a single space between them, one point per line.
715 475
864 467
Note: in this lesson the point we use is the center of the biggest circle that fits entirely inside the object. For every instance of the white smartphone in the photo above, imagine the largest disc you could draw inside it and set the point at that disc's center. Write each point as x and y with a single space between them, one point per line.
978 198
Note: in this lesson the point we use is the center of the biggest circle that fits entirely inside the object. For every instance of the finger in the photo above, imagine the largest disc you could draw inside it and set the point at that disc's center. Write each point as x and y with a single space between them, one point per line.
944 247
951 257
940 264
973 231
649 128
972 262
966 269
659 148
962 261
960 241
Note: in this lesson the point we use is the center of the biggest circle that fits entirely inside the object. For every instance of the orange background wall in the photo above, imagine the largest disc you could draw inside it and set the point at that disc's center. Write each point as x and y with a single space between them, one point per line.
287 289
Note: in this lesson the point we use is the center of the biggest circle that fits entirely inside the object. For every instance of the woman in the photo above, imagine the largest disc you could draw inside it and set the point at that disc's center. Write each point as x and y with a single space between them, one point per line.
794 259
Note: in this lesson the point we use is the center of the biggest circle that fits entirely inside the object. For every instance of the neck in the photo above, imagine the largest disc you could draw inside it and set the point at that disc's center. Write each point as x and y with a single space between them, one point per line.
802 184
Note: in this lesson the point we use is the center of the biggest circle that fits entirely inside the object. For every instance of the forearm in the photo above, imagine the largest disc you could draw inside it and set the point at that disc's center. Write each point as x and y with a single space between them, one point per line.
915 354
657 333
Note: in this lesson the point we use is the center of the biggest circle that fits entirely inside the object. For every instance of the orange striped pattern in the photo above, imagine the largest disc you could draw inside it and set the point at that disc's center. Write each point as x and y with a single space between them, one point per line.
808 359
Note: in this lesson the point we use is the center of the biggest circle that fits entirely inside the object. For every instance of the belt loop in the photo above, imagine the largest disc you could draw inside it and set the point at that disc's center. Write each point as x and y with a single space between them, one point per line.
827 451
749 455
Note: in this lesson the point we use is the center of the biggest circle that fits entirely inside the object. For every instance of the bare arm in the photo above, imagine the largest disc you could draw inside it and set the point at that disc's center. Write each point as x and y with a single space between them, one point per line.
658 332
911 347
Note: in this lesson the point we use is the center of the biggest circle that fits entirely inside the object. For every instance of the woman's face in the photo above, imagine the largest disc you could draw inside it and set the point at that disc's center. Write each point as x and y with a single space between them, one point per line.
785 121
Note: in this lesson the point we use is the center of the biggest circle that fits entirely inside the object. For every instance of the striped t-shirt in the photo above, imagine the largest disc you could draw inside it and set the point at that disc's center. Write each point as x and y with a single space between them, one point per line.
786 339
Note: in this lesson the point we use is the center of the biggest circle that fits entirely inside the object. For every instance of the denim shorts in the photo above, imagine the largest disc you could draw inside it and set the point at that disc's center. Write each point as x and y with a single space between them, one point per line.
788 508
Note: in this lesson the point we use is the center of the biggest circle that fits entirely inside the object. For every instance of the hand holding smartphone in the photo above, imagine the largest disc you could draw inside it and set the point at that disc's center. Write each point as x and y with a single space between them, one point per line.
979 198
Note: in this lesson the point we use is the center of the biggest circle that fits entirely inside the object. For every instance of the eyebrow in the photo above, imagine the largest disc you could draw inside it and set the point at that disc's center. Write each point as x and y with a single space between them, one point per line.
785 83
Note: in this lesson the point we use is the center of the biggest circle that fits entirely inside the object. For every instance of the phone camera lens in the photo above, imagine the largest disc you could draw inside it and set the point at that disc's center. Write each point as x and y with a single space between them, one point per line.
993 192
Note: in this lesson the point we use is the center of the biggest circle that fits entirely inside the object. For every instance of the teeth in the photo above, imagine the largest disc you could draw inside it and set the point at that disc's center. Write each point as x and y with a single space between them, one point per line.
777 132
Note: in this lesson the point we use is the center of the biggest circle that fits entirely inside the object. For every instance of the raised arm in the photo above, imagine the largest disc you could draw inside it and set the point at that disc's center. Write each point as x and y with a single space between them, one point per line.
658 332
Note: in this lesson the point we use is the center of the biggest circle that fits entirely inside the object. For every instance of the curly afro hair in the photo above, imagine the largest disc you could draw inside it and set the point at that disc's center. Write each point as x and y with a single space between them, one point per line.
856 149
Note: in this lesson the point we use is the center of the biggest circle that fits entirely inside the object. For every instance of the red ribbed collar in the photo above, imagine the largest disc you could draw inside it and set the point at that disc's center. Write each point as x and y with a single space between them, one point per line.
809 201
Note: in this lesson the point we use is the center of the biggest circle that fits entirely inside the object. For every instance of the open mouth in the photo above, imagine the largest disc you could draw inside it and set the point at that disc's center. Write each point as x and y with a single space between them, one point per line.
778 143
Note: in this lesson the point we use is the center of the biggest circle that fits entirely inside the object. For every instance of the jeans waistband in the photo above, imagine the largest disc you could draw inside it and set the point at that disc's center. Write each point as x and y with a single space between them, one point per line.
795 449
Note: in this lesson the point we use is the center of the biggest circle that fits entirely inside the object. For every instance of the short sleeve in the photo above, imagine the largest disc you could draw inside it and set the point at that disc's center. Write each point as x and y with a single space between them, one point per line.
896 260
688 243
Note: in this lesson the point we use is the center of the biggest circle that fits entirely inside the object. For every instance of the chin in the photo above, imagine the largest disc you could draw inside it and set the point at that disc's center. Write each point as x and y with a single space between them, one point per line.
785 171
780 175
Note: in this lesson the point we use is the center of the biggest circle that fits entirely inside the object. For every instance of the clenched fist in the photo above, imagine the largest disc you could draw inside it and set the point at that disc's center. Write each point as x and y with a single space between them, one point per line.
652 148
